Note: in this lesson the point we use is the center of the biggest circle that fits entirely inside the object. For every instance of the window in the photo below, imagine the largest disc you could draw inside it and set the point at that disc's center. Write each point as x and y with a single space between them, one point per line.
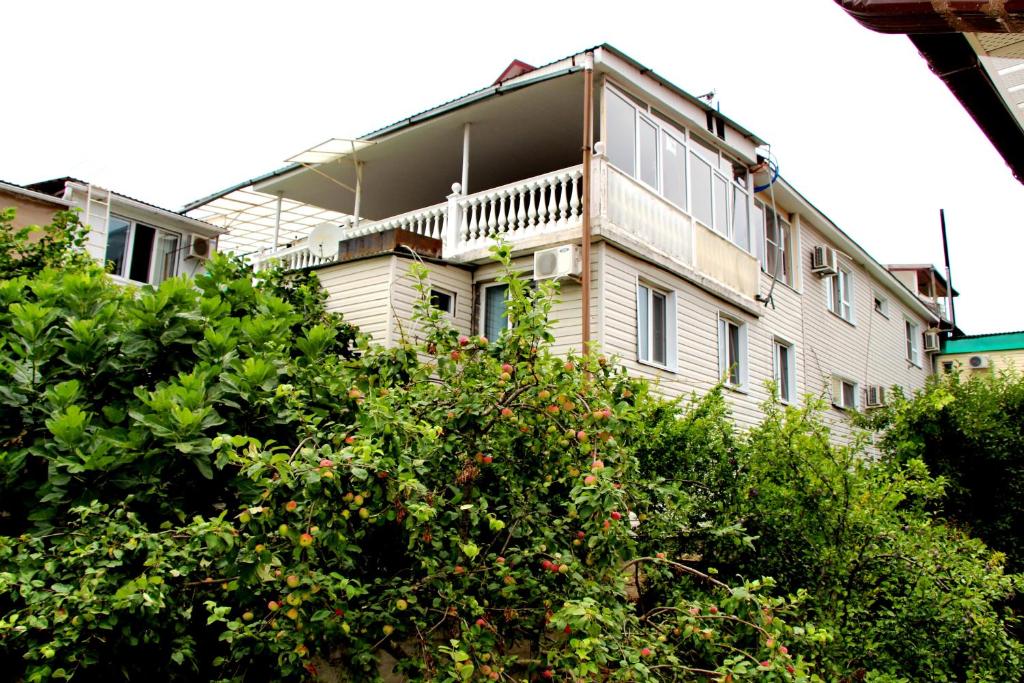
913 342
443 301
494 317
881 305
844 393
785 369
839 290
732 351
140 252
947 366
662 156
655 323
777 254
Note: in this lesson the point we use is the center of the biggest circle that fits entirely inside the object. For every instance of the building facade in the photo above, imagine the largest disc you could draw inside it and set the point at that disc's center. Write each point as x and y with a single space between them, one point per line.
704 264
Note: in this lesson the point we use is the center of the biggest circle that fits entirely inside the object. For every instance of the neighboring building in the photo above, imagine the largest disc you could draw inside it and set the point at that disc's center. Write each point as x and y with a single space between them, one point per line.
703 264
144 243
983 353
931 288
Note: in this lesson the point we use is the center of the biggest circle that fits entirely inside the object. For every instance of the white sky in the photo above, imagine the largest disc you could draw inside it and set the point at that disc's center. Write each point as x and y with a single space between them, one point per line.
171 103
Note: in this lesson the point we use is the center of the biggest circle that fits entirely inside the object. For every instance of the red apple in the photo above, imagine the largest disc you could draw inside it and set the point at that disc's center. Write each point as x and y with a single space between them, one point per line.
505 367
305 540
616 515
646 652
463 340
597 465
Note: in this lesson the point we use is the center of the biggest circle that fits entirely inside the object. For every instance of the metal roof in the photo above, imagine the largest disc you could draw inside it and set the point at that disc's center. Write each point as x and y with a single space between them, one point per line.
976 343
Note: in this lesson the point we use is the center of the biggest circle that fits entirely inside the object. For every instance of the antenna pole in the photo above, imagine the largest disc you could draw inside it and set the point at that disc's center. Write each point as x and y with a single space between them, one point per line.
949 279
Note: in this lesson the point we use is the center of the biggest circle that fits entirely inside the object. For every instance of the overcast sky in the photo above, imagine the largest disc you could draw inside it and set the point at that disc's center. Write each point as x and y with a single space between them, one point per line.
172 104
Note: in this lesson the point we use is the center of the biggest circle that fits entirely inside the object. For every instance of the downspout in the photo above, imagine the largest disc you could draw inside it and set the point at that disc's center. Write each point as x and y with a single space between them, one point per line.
588 135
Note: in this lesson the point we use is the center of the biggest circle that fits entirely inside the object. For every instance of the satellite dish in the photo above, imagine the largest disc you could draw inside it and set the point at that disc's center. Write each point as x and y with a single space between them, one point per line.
324 238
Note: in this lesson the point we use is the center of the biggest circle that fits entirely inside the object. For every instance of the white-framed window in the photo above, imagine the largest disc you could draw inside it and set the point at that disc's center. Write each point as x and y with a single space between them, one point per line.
140 252
732 351
692 174
913 334
881 305
776 255
442 300
784 365
494 310
655 325
845 393
839 293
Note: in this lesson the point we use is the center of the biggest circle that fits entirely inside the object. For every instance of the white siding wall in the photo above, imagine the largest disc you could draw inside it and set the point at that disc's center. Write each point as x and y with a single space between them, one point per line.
360 291
403 296
872 351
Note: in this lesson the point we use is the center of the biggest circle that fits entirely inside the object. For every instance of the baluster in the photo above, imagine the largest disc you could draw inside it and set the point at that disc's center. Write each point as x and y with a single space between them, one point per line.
502 216
474 221
521 212
574 200
552 200
492 220
464 223
542 204
531 212
563 200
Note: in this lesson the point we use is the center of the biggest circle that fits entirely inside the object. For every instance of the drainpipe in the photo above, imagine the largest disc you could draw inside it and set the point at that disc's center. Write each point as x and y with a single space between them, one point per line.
588 141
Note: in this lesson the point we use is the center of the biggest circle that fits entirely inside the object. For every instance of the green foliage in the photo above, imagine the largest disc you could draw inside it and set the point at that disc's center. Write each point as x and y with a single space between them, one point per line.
903 596
970 432
201 479
218 480
29 249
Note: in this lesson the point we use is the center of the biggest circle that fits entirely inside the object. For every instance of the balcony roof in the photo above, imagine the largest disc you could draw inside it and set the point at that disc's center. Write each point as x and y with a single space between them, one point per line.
532 122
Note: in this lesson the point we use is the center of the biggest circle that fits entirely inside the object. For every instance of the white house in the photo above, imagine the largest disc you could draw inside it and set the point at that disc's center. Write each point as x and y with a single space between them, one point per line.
145 243
702 263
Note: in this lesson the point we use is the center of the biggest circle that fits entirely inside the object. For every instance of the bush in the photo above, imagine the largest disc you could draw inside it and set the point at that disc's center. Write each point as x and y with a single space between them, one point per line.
903 596
970 432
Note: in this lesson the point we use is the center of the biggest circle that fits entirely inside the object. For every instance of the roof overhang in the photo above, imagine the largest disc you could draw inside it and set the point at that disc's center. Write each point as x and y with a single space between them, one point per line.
976 48
140 210
33 195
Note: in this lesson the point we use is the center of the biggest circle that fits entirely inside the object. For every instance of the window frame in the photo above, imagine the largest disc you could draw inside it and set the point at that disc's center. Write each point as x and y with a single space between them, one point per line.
128 252
880 304
725 322
784 231
912 331
839 396
778 344
482 325
670 332
452 297
834 283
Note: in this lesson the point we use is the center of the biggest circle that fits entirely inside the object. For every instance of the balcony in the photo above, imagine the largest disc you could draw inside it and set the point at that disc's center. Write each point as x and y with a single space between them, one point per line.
544 209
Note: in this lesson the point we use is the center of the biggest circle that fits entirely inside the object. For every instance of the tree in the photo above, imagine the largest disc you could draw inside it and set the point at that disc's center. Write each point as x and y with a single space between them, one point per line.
202 479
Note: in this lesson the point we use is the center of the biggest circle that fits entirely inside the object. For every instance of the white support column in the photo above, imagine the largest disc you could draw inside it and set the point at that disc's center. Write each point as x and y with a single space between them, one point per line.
465 159
359 193
277 222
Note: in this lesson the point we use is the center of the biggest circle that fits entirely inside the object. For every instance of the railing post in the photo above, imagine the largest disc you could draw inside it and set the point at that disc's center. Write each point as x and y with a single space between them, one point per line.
452 227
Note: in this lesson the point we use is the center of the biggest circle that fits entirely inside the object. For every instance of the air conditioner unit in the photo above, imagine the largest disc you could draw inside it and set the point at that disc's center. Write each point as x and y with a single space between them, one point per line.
875 396
200 247
824 261
931 341
977 362
560 261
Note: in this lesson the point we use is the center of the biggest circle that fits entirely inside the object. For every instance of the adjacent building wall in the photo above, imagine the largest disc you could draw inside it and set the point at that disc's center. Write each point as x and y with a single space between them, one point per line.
29 211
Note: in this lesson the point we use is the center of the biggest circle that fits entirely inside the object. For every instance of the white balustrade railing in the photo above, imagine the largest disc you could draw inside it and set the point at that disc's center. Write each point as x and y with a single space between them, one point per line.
294 257
428 222
548 202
